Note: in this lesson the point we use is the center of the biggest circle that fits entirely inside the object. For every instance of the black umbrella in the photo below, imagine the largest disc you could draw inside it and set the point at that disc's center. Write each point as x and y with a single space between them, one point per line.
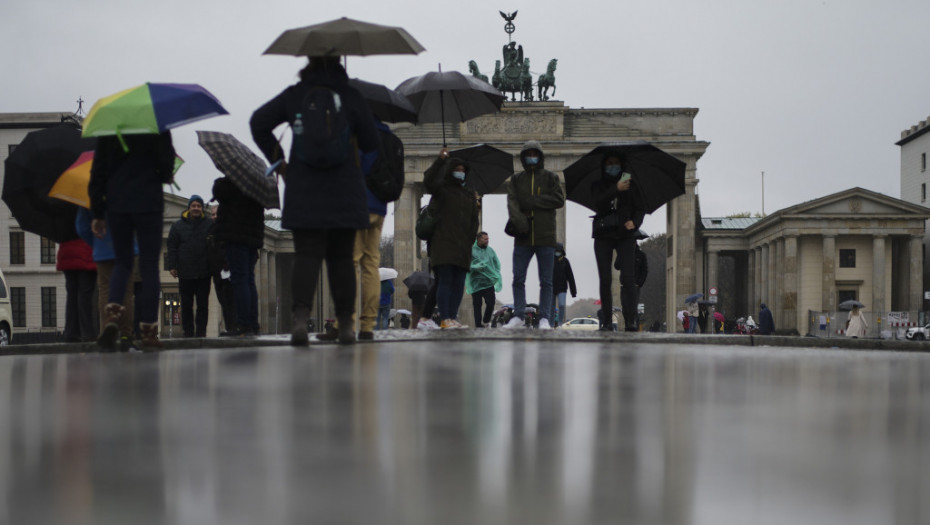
345 36
386 104
29 174
441 95
419 281
658 176
489 167
850 304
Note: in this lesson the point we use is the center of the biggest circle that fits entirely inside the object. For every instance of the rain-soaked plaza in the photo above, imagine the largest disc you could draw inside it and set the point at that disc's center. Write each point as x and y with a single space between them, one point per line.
459 428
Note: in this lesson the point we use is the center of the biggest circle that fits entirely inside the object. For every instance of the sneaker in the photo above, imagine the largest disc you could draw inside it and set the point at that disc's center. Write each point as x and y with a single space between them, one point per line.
544 324
456 324
427 324
514 322
447 324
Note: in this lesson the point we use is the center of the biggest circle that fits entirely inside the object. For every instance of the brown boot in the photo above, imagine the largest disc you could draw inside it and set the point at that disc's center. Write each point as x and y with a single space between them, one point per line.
150 336
110 334
299 336
346 331
415 316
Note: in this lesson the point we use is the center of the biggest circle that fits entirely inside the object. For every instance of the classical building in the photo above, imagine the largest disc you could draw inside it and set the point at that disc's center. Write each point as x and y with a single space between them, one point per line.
854 244
915 144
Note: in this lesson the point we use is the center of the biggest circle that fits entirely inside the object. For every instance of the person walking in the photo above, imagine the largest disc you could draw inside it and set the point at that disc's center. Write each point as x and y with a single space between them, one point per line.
75 258
385 299
126 199
618 216
450 246
105 258
325 199
856 325
219 272
188 262
563 280
240 227
483 280
533 196
766 321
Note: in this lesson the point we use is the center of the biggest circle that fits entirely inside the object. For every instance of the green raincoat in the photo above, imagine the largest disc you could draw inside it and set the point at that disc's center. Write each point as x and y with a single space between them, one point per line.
485 270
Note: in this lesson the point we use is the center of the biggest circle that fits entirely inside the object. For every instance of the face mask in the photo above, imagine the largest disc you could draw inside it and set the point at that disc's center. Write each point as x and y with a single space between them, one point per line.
459 175
532 161
613 170
559 254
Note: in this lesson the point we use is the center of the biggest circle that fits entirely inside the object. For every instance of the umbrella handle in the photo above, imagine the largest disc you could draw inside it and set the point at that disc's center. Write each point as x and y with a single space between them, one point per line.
442 115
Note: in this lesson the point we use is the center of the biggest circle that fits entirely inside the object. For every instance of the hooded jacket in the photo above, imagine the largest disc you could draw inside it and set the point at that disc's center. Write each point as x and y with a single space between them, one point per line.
533 196
187 247
625 204
563 278
457 212
485 271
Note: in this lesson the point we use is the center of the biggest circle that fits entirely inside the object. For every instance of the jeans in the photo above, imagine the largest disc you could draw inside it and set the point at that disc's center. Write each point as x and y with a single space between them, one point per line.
384 317
450 290
560 315
487 295
311 248
191 290
545 261
79 305
241 261
147 228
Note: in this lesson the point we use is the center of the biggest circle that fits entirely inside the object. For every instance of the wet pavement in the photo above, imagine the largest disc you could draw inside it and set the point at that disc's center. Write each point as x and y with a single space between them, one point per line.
467 430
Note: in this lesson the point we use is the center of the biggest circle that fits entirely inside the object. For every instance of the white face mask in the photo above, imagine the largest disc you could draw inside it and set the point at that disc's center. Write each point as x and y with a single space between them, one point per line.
459 175
532 161
613 170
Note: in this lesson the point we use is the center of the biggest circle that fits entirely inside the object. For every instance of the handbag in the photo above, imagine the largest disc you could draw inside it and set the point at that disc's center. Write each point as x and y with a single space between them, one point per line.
605 225
426 223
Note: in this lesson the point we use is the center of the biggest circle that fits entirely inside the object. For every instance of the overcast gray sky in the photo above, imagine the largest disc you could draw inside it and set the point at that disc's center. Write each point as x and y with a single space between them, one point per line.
813 93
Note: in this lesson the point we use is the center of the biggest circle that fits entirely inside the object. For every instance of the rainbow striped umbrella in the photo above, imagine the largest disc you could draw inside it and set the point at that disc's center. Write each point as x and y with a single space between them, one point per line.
72 185
150 108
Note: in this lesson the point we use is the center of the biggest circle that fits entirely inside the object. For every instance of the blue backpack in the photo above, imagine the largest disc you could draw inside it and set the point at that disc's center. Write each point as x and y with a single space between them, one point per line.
322 136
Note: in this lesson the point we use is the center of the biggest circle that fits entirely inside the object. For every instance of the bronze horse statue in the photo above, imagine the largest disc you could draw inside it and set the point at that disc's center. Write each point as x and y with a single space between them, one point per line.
473 69
547 80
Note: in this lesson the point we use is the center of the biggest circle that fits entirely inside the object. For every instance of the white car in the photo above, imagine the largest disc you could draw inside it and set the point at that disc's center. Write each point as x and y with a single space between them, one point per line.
580 323
6 313
918 333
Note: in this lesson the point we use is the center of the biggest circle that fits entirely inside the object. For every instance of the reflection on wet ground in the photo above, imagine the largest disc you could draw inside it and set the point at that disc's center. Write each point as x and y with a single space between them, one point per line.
489 432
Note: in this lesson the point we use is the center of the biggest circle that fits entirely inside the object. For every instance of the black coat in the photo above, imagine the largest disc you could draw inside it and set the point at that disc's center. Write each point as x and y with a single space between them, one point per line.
625 204
130 181
562 277
315 198
187 247
240 219
458 215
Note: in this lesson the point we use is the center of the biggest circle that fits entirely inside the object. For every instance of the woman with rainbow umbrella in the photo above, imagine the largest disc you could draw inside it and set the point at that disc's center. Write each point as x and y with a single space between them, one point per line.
133 159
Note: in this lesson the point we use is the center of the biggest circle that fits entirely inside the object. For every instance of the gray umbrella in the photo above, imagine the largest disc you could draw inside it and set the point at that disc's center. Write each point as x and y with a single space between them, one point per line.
345 37
385 103
449 95
850 304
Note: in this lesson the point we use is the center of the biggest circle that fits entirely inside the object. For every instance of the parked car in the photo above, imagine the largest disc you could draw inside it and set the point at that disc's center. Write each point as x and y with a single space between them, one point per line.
580 323
918 333
6 313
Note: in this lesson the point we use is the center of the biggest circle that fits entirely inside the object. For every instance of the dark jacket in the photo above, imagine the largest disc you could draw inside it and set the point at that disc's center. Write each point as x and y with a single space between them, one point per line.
627 205
240 219
533 196
317 198
75 254
187 247
457 207
766 321
130 181
562 277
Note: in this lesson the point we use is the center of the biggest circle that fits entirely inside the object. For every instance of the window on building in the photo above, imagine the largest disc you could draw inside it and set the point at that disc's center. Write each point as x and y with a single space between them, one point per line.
847 258
923 162
49 307
18 305
17 248
923 192
846 295
48 251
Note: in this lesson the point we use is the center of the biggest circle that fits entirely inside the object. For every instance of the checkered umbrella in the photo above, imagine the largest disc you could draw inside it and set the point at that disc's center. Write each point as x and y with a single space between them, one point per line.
243 167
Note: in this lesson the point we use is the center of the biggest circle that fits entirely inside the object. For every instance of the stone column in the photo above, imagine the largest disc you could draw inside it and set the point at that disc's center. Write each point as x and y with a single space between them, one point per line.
916 294
778 279
756 296
272 323
828 283
262 280
790 289
406 243
713 263
764 264
750 279
878 275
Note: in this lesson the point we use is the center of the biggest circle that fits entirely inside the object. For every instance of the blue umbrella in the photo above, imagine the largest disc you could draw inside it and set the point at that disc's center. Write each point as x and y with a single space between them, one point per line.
693 297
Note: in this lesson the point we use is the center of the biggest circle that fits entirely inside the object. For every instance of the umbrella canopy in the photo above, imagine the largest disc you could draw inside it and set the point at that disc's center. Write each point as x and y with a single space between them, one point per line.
150 108
489 167
29 174
719 316
345 37
404 311
658 176
419 281
387 273
385 103
681 315
449 95
242 166
850 304
72 185
693 297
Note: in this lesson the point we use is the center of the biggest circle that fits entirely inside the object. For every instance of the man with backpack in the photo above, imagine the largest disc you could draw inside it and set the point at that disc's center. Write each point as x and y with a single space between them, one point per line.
325 198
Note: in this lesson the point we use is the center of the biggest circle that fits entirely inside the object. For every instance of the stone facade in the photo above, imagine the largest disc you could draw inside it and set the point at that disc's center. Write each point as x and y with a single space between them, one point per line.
915 178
